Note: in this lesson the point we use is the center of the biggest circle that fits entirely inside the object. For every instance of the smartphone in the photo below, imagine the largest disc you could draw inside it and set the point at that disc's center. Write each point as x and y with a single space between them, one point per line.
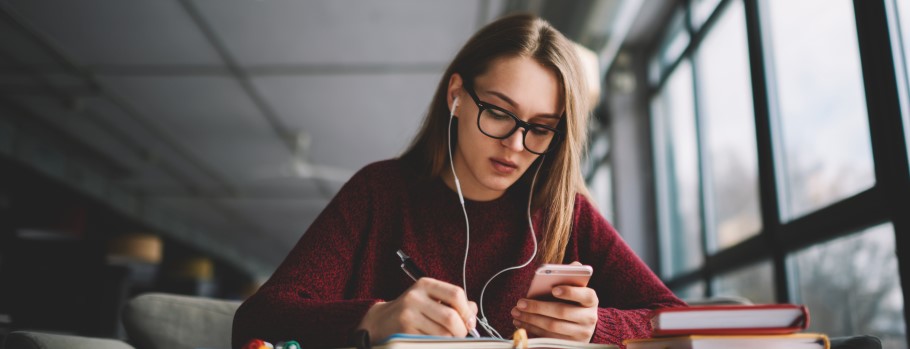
550 275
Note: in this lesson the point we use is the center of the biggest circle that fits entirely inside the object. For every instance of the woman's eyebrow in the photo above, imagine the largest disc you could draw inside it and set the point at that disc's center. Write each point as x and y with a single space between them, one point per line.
515 105
502 96
546 116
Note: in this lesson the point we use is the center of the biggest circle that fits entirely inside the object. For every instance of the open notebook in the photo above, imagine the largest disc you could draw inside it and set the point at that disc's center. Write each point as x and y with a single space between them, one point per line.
407 341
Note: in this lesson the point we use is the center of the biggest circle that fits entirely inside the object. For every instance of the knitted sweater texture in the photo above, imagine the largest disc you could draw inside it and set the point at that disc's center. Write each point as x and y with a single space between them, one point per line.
346 261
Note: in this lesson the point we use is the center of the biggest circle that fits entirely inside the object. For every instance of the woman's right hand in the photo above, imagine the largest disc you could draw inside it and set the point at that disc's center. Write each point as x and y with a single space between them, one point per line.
430 307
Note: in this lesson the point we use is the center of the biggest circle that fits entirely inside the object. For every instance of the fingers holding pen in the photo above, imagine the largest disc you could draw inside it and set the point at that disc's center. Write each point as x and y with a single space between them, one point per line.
429 307
452 298
434 307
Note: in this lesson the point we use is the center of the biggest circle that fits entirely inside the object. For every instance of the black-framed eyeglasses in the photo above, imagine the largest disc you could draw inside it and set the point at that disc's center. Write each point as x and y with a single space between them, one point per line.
496 122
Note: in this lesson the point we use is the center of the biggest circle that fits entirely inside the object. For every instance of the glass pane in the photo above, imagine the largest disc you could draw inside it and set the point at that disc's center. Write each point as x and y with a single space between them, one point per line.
601 187
902 52
726 115
701 10
674 42
851 286
677 174
691 292
755 282
655 71
825 149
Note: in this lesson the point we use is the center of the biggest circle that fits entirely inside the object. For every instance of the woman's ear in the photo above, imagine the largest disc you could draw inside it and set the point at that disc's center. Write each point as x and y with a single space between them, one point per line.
453 91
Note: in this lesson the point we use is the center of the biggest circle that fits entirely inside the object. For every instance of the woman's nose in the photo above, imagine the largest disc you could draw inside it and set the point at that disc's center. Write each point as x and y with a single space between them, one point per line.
514 141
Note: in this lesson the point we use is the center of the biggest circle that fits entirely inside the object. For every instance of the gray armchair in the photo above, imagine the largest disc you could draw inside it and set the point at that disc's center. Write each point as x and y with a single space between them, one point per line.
152 321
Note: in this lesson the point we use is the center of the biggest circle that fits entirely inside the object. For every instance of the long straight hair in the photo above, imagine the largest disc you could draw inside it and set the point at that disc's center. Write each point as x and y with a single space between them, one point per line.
560 176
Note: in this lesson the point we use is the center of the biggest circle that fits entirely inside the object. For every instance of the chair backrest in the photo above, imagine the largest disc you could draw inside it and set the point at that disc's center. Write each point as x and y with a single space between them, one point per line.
856 342
165 321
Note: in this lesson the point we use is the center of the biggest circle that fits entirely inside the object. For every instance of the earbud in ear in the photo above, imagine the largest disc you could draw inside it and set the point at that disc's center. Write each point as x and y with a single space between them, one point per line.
454 105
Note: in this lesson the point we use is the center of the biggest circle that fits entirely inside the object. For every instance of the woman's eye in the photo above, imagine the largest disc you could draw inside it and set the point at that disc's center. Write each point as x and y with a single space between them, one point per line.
540 131
498 115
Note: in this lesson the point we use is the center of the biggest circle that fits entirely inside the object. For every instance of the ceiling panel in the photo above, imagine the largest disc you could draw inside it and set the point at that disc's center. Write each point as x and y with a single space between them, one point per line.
341 31
353 119
212 119
143 175
219 224
20 47
285 219
145 149
267 228
195 212
100 32
16 82
191 104
271 185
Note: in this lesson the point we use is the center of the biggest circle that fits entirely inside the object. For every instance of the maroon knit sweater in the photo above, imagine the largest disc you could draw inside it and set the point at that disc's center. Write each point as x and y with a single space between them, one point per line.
346 261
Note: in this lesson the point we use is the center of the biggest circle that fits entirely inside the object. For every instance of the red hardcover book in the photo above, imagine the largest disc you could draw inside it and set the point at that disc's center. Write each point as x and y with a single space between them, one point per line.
760 341
730 319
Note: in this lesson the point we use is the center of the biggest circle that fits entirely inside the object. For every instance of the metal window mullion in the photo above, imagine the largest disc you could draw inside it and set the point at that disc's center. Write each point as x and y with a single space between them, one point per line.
695 38
886 128
764 107
705 189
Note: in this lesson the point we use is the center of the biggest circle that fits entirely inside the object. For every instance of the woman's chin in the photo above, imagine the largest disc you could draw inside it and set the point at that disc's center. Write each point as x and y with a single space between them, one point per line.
499 184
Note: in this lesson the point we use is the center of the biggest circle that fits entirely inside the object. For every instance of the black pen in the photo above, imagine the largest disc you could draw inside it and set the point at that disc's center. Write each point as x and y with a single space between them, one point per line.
415 273
410 267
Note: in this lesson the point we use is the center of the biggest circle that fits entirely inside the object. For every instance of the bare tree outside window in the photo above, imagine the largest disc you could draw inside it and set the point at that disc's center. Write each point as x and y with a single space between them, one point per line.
728 129
821 104
755 283
851 286
676 164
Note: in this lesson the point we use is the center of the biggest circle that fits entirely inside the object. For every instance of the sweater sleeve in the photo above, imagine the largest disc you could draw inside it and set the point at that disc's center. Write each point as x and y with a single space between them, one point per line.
304 299
626 288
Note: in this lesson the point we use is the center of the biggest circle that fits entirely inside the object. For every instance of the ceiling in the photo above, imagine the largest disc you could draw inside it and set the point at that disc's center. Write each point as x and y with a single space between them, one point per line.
242 118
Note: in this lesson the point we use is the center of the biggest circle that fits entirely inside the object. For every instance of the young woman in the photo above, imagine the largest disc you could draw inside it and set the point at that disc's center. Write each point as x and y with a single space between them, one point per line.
489 190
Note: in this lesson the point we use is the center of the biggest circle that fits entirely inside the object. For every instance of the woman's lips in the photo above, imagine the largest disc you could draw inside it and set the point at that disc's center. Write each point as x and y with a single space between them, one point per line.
504 166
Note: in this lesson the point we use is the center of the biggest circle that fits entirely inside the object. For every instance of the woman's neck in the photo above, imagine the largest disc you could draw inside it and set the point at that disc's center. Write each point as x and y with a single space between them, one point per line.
470 188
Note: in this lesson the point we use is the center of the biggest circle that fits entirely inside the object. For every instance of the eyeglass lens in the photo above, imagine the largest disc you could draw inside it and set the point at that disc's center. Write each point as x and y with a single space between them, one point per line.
498 124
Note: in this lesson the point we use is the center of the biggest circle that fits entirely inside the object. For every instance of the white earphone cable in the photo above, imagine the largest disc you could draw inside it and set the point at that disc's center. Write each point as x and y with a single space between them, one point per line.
483 318
467 224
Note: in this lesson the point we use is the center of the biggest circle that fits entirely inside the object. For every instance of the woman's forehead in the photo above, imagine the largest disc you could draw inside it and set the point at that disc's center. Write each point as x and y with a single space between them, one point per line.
532 86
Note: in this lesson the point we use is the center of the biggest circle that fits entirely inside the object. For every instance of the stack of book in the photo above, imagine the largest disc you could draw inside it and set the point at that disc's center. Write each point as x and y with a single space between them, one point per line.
776 326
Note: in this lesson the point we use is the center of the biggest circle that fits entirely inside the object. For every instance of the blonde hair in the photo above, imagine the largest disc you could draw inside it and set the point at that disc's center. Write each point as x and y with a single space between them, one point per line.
560 176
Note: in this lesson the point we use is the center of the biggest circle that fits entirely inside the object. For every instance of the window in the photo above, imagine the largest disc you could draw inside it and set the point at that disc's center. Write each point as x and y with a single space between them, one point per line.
725 112
755 282
771 94
600 178
691 291
824 151
671 48
851 285
701 10
602 191
901 42
676 154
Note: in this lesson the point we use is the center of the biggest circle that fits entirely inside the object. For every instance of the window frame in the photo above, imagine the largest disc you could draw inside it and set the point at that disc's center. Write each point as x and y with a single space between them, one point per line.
887 201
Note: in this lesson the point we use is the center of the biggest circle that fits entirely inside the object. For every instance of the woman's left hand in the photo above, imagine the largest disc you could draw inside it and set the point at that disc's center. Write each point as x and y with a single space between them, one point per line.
575 321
